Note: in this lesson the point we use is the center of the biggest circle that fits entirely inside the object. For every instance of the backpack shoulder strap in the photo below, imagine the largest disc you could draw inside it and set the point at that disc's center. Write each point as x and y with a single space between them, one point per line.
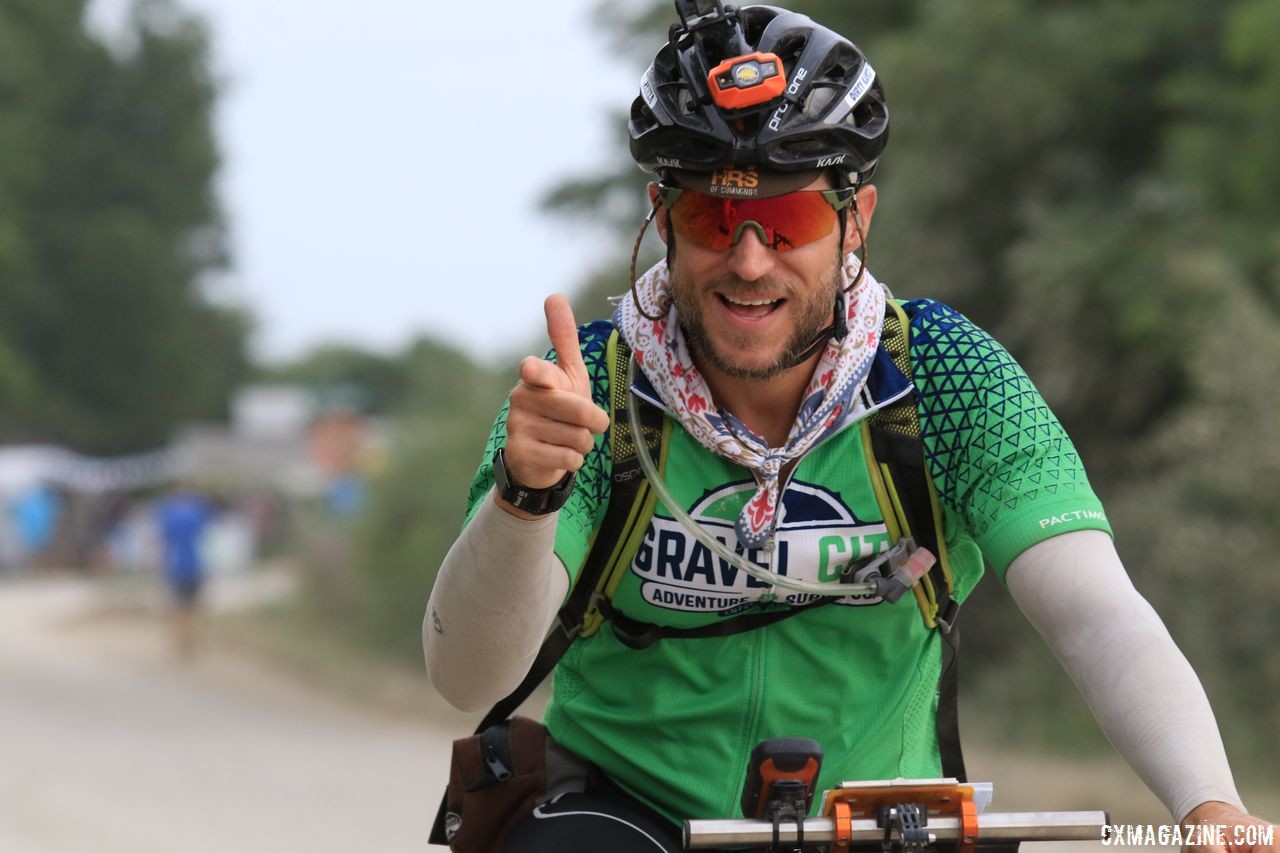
900 475
630 504
909 501
631 499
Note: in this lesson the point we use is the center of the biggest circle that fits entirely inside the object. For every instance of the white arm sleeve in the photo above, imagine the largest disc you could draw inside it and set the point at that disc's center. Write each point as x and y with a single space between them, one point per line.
496 595
1144 694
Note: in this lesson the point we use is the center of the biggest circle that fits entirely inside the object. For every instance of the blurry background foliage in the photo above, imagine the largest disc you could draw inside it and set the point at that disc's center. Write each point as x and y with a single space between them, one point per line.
107 224
1093 182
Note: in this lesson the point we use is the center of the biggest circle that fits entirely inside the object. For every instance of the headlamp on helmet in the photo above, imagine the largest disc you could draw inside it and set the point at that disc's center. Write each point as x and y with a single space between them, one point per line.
745 81
760 86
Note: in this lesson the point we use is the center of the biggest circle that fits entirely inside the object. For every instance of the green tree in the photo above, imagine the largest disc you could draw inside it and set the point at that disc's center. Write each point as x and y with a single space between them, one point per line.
378 380
427 376
108 225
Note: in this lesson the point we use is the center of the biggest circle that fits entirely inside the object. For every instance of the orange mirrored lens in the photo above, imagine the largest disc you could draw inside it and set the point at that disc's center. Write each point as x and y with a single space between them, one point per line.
787 221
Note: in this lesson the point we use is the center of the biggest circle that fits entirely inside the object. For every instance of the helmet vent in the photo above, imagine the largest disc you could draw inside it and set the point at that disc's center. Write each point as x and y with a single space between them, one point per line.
788 50
686 103
714 50
840 63
804 146
642 119
820 97
753 24
866 117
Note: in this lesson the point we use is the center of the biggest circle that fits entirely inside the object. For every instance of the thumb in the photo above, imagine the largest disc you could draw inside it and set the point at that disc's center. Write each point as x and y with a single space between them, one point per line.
562 329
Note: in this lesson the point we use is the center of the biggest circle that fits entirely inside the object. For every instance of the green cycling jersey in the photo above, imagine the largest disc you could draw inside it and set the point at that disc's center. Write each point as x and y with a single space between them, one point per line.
674 723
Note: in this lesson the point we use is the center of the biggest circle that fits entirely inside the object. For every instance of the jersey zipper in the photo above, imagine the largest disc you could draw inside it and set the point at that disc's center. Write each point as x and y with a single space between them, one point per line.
751 735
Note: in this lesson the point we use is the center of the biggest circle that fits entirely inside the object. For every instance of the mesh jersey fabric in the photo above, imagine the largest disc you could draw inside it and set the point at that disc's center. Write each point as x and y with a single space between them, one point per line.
674 724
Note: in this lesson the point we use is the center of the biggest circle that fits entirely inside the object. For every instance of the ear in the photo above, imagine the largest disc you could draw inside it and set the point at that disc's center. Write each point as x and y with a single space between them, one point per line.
864 207
662 216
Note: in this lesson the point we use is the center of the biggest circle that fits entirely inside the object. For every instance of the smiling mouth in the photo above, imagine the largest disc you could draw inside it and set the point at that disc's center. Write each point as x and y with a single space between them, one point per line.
750 308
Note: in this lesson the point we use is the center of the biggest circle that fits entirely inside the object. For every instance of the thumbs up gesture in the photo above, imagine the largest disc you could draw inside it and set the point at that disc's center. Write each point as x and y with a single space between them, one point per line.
552 421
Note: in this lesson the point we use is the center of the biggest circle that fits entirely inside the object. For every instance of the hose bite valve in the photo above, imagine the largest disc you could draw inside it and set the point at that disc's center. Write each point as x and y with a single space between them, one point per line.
907 565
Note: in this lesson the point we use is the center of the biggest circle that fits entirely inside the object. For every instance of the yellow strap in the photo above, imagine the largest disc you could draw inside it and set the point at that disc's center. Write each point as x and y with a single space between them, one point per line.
645 501
888 507
891 507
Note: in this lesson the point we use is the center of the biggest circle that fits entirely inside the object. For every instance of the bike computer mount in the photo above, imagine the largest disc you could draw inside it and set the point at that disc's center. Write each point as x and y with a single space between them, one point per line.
781 776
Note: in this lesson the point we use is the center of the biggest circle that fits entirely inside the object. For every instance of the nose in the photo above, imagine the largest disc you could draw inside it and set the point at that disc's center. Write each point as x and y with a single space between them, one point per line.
750 259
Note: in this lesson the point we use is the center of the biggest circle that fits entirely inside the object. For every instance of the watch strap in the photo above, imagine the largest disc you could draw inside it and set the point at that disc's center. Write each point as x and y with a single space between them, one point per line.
530 500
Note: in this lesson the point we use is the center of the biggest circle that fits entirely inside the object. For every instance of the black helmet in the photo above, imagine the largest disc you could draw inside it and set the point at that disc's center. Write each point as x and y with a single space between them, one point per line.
757 85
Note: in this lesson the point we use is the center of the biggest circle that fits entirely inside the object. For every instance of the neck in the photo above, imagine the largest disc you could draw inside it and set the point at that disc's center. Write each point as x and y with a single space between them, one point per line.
768 406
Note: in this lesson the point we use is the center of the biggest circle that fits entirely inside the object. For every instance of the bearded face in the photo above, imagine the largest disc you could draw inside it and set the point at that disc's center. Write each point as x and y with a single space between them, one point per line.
719 319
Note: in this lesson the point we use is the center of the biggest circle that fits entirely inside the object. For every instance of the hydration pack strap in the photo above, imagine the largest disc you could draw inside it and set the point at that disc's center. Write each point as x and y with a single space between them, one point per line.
635 634
898 449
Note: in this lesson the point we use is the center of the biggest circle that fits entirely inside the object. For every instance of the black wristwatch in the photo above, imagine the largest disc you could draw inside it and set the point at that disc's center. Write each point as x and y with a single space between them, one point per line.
533 501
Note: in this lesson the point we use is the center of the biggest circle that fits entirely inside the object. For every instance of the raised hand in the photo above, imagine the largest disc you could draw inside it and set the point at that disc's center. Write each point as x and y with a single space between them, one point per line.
552 421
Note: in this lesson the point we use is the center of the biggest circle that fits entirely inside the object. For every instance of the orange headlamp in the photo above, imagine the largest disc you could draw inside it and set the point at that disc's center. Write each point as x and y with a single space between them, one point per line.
745 81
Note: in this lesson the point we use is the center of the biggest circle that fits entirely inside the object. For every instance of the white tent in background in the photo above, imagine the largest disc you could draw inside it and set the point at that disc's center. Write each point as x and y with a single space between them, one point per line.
25 466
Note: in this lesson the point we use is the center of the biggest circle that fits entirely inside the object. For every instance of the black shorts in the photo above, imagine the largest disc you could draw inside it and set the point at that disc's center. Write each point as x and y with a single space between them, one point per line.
605 819
186 590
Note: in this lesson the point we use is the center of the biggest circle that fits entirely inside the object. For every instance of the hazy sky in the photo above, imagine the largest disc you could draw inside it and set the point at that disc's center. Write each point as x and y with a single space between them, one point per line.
383 162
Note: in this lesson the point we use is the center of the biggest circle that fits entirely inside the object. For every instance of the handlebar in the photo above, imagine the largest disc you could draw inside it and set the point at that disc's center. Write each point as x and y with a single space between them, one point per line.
998 826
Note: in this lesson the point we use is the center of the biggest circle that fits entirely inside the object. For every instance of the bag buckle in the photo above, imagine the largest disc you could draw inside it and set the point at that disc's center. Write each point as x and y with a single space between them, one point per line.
946 615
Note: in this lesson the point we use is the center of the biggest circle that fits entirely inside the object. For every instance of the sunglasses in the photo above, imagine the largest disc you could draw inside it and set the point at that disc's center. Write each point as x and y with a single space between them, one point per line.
783 222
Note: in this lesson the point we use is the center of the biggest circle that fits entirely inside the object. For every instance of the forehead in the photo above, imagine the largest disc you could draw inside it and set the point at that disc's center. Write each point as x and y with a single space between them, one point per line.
750 182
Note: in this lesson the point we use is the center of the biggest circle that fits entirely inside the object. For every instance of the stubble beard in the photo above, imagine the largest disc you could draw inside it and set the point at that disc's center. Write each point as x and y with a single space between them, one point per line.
814 315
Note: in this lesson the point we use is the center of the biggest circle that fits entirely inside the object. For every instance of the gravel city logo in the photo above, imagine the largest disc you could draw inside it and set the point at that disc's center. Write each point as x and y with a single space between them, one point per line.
817 538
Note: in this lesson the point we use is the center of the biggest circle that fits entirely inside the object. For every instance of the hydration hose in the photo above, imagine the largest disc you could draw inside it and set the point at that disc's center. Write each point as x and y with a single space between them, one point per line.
909 561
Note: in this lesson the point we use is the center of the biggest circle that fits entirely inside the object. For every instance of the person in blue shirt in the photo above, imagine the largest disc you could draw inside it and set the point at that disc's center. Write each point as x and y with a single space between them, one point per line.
35 516
182 517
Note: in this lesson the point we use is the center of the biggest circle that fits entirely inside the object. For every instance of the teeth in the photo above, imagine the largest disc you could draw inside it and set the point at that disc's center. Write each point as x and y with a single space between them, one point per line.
750 302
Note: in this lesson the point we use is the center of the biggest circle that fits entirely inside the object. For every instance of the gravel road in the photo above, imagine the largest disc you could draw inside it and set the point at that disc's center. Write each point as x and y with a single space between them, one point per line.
108 743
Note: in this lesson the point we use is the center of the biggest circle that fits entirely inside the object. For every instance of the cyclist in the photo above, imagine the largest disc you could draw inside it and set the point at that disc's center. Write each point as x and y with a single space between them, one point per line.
759 337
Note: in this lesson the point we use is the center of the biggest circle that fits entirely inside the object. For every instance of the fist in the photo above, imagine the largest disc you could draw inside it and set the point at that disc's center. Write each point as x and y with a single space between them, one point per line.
552 421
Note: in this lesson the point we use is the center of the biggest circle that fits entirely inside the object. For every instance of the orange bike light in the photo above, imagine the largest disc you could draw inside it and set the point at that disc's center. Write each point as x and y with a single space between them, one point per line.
745 81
